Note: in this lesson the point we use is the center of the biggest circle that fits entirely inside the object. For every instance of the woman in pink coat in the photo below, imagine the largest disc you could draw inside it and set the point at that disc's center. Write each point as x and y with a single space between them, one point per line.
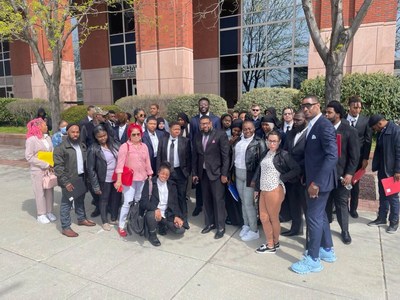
37 140
135 155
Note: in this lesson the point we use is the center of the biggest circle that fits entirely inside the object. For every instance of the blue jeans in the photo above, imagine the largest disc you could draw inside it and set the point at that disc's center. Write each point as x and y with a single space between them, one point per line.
65 209
386 202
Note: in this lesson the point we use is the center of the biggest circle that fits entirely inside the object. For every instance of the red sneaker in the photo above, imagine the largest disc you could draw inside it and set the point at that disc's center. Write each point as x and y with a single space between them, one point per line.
122 232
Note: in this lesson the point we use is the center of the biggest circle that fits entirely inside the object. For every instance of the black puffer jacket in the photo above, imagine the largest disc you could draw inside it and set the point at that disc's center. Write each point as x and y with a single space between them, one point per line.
97 165
285 164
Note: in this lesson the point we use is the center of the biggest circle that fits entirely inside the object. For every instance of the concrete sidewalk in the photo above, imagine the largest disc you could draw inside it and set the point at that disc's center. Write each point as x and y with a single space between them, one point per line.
37 262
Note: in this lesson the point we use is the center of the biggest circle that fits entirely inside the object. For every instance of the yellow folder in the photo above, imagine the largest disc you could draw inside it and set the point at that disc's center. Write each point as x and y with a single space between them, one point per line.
46 157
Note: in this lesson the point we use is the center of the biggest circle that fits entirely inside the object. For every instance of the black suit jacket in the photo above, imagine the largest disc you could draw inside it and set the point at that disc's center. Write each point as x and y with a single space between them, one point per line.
146 140
184 154
124 137
216 156
150 202
195 125
364 136
296 151
350 154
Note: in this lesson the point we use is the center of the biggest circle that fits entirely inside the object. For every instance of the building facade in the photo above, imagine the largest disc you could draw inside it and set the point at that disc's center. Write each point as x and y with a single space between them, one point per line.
204 46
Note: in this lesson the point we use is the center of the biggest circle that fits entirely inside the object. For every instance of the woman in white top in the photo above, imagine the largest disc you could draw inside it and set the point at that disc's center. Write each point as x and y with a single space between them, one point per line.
38 140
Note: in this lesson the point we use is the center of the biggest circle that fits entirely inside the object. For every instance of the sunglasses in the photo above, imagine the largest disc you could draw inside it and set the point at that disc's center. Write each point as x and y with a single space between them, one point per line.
307 105
255 109
142 116
135 134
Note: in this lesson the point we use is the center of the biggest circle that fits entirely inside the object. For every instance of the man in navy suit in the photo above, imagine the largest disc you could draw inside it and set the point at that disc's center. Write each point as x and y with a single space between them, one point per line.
360 123
346 167
204 110
320 158
177 151
152 138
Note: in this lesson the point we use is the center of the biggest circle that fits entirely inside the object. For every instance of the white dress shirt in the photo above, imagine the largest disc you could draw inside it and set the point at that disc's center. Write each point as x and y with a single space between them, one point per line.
240 152
154 142
163 195
176 156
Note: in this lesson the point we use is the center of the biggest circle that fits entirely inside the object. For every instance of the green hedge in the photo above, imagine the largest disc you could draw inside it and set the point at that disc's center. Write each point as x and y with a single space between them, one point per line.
25 110
75 114
380 92
6 117
189 105
268 97
130 103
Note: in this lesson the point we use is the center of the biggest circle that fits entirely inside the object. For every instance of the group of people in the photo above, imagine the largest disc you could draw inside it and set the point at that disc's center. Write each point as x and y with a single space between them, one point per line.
280 168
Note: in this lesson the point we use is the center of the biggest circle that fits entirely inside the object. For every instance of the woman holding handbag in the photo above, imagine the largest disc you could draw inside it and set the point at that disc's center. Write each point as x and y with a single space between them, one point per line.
39 141
101 162
134 155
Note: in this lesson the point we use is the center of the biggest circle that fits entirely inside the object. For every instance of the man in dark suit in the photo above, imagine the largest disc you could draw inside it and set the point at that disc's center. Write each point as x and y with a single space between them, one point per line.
387 162
320 158
152 137
210 169
204 110
177 151
89 117
295 191
347 139
365 141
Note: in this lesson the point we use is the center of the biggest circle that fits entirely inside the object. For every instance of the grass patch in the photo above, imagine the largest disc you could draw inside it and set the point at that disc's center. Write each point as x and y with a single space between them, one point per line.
12 129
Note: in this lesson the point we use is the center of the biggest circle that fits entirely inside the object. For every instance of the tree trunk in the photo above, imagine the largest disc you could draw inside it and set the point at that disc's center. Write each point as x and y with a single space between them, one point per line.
334 76
53 90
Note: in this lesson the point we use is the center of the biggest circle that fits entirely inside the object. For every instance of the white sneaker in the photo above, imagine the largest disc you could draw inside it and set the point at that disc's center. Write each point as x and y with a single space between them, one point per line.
251 235
51 217
42 219
245 229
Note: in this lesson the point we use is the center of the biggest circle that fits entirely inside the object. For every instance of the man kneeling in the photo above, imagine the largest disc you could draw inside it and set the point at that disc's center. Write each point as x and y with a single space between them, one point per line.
160 201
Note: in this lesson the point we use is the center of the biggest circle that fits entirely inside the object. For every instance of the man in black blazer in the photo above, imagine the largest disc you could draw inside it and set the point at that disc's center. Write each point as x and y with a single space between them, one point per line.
365 141
152 137
295 191
349 156
204 110
177 151
210 169
320 158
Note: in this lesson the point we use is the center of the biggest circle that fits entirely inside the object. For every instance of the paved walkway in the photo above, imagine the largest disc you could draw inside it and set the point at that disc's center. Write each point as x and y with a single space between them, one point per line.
37 262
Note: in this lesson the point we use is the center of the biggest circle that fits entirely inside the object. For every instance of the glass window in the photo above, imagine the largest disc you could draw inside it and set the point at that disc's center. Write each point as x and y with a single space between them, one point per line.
130 50
254 78
301 56
116 39
229 22
278 77
229 62
229 87
115 22
279 35
117 55
229 42
254 39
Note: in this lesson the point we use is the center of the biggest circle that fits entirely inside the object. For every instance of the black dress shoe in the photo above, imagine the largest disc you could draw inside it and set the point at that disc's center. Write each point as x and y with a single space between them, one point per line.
228 221
354 214
292 233
162 230
95 213
196 211
346 238
208 228
219 234
186 225
153 239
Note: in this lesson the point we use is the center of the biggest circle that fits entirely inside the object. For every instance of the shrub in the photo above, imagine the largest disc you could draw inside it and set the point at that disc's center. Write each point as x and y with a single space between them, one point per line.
6 117
25 110
380 92
130 103
75 114
189 105
268 97
315 86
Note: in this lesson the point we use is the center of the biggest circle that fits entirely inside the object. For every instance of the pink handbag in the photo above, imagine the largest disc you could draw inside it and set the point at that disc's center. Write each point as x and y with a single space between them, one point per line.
49 180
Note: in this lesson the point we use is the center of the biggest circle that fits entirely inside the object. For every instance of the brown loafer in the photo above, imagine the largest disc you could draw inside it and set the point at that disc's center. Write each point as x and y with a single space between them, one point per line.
86 223
69 232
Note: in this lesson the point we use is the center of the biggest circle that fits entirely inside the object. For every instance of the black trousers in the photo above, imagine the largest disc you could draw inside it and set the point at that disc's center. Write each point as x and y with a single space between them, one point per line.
152 223
295 193
214 201
340 198
355 192
109 198
180 180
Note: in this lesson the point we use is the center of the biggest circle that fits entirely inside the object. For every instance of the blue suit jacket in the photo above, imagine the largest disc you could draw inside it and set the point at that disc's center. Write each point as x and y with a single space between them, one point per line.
321 155
195 125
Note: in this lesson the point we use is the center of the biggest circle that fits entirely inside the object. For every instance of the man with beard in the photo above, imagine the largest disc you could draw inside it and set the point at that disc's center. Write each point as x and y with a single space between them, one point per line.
295 191
349 155
204 110
69 167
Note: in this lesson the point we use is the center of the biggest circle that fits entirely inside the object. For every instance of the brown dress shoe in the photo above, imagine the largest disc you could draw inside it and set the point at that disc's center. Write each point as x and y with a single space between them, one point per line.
69 232
86 223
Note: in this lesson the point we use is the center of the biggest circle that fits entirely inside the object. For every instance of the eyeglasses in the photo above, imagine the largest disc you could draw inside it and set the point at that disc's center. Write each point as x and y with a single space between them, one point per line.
272 142
255 109
307 105
135 134
287 114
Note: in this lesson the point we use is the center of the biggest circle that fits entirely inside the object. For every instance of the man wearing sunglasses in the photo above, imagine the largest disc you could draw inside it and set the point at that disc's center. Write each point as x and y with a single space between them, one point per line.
320 158
256 115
